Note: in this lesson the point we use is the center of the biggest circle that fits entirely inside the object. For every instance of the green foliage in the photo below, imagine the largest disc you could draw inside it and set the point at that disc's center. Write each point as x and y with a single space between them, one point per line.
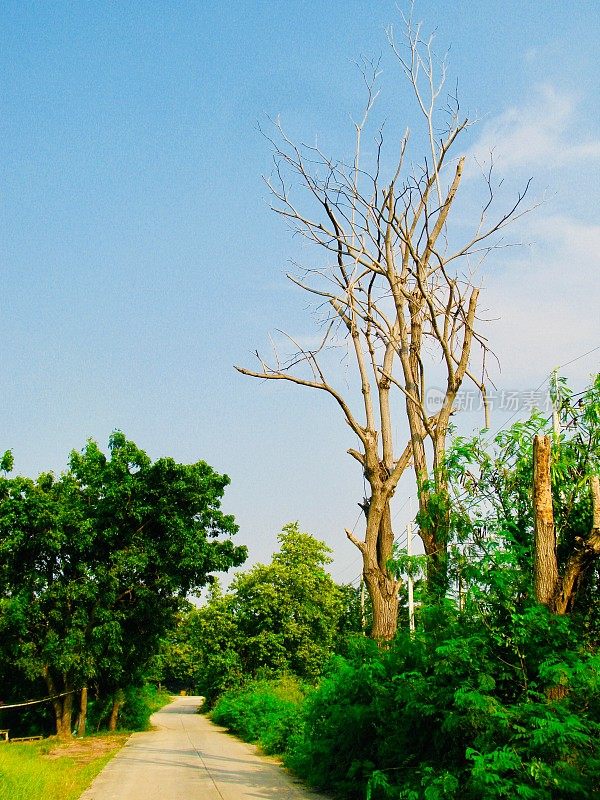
265 712
93 564
200 654
493 696
278 618
286 612
455 712
139 703
492 512
7 462
356 617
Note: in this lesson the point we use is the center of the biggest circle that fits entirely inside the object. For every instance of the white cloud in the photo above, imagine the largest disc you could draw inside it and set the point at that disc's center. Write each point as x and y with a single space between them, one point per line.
538 133
548 302
547 295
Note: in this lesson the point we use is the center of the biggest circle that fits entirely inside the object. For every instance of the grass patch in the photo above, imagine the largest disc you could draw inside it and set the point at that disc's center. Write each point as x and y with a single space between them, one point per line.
52 770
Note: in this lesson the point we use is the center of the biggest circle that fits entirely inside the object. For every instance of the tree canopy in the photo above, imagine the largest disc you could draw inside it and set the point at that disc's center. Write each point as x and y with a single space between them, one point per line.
95 562
287 611
276 618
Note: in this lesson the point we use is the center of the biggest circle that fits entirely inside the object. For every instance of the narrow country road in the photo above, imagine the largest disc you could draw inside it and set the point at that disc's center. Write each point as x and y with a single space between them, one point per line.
189 758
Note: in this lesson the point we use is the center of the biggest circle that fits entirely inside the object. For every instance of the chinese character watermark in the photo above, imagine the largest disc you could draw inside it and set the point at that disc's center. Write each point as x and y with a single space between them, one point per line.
506 400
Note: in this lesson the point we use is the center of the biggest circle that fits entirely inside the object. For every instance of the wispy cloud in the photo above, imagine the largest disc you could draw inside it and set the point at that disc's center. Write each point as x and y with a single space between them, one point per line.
548 302
538 133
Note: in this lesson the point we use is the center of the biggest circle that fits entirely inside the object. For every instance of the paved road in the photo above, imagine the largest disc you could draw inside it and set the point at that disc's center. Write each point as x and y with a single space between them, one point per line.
189 758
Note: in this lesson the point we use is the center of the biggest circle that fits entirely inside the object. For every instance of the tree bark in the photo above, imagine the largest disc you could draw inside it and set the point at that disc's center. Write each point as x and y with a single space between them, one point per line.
544 536
67 715
83 701
383 591
377 550
62 705
118 703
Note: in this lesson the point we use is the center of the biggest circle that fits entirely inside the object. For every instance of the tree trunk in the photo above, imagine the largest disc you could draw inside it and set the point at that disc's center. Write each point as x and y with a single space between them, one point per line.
63 714
544 536
437 572
583 557
61 703
83 701
434 505
377 550
434 531
118 703
384 598
67 715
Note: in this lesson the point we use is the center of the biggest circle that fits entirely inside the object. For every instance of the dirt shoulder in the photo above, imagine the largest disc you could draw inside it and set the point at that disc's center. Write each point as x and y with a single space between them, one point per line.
86 750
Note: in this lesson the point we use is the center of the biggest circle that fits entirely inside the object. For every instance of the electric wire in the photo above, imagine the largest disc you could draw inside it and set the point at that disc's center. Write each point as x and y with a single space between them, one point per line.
543 383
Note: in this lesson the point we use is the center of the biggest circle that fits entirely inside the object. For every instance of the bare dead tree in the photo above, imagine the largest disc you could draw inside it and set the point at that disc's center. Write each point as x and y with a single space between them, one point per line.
400 292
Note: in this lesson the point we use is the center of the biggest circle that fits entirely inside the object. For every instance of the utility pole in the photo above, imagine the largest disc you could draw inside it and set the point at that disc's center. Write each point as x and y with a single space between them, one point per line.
555 406
411 600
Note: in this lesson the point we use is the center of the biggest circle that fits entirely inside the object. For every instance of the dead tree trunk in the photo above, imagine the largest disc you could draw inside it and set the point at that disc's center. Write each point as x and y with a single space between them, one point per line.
377 550
556 590
394 296
545 566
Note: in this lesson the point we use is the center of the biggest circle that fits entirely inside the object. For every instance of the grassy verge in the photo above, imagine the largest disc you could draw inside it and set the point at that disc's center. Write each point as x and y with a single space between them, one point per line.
49 770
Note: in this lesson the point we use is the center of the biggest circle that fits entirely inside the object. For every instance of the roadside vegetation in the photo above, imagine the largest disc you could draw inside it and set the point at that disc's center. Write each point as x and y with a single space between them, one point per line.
94 566
496 694
491 689
52 771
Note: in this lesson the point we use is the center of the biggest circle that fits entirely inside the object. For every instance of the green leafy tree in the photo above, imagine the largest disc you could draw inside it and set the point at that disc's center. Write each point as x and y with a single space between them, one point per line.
95 563
277 618
493 511
202 651
287 611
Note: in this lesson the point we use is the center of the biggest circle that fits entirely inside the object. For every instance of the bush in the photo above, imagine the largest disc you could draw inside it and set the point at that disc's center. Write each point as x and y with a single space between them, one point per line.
140 703
268 713
454 712
336 747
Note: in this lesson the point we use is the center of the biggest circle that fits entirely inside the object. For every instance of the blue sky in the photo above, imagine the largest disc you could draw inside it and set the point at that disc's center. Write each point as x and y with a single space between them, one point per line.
140 260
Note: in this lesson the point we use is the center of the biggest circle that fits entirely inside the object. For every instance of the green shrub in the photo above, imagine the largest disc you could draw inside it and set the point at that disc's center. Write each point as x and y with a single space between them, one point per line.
140 703
266 712
458 711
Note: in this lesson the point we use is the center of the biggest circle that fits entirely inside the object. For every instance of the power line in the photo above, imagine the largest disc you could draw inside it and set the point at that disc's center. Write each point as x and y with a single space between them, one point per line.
583 355
43 700
512 416
408 499
350 566
546 379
